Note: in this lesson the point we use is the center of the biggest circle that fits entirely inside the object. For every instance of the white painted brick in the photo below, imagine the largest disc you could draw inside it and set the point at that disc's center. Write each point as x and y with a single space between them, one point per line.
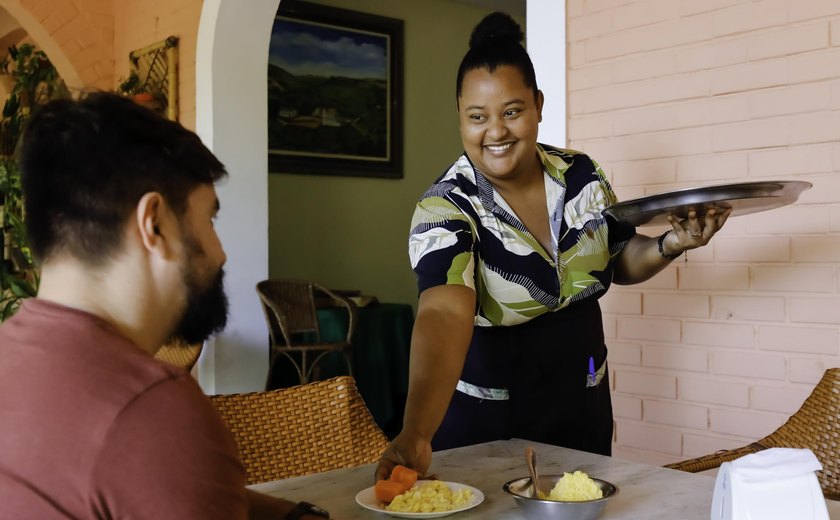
749 364
591 126
821 248
749 76
782 399
712 166
719 334
801 340
574 8
793 220
648 12
814 310
576 54
813 9
817 127
719 109
663 35
795 99
749 16
664 144
665 279
835 33
690 7
711 54
792 160
699 445
809 370
676 414
622 301
627 407
794 279
685 305
835 95
610 326
651 438
642 93
783 40
623 353
645 383
834 220
695 258
588 77
753 134
748 308
752 249
649 329
713 391
593 6
675 358
590 25
754 425
645 172
646 119
644 66
826 188
814 66
714 278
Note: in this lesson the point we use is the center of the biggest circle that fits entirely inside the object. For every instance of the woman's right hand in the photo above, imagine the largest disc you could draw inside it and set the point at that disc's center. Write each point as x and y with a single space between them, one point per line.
406 450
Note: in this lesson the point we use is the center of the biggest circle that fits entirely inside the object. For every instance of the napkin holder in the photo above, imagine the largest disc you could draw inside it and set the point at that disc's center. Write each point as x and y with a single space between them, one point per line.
774 484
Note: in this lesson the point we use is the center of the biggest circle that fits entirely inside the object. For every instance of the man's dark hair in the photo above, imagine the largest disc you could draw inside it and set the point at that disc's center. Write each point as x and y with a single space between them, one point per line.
86 164
494 42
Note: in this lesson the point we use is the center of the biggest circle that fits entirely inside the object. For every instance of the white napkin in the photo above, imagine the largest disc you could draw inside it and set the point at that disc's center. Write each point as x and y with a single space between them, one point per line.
775 464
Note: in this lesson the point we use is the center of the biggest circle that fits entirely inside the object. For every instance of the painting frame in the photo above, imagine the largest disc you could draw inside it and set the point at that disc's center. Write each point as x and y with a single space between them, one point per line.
311 117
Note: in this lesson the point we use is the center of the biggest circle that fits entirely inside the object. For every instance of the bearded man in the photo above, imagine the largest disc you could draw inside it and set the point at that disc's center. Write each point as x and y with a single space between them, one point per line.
120 205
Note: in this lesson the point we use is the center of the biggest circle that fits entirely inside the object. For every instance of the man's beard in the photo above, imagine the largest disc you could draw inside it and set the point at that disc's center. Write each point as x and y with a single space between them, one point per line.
206 312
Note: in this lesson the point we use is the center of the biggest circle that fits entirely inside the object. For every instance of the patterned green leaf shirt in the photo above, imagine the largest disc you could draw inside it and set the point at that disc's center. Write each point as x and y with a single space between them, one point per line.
464 233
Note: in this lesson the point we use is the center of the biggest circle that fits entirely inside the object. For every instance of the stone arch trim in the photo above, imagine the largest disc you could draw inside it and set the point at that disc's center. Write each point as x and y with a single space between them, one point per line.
77 35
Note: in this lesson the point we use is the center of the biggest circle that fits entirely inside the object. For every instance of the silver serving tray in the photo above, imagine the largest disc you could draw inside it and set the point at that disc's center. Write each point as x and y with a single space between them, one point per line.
742 197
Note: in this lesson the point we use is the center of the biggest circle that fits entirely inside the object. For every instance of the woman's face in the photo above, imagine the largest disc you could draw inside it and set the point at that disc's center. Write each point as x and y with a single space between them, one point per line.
499 118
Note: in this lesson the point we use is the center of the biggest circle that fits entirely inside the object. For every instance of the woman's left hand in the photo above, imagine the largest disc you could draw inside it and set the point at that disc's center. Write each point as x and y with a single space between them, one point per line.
694 232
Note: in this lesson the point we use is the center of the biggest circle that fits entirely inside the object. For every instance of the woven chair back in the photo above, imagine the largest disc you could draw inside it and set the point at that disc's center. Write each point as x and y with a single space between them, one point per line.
289 306
816 426
302 430
180 354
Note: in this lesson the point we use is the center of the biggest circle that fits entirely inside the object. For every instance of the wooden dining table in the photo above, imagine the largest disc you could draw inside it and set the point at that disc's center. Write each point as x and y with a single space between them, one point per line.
645 492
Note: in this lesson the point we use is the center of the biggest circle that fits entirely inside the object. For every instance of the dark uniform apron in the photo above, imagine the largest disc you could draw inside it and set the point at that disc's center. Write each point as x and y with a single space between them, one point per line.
544 380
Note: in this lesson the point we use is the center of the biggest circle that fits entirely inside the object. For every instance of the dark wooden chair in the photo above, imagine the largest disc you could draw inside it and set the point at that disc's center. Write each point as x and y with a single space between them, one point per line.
290 311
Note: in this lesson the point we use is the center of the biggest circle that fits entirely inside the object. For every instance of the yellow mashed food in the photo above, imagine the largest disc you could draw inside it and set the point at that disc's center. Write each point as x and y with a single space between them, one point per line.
574 487
430 497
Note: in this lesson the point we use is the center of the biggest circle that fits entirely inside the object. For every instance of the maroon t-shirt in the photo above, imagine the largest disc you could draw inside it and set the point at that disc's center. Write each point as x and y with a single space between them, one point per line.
91 426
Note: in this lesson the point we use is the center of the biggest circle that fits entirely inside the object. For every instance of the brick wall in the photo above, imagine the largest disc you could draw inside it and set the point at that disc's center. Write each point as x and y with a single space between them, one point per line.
719 349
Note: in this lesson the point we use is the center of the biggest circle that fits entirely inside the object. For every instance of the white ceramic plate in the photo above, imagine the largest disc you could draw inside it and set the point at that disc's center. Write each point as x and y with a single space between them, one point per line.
367 499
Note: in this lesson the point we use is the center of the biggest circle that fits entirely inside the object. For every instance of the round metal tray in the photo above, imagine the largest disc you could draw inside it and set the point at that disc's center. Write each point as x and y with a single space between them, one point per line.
743 198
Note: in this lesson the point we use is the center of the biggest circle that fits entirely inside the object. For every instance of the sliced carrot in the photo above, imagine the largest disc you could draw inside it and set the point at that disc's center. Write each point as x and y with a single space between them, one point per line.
406 476
387 490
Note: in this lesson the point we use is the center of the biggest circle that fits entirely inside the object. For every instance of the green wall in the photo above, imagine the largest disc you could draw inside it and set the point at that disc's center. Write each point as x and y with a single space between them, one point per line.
352 232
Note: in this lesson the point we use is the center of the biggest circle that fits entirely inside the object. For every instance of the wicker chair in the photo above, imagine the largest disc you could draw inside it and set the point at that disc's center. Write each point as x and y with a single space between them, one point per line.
180 354
816 426
302 430
290 310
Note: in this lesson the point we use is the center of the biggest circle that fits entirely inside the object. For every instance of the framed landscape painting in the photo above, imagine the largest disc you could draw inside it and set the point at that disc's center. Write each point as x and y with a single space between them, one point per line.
335 92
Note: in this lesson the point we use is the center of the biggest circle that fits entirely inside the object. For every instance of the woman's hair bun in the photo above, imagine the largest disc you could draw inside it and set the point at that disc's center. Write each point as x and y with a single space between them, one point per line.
496 28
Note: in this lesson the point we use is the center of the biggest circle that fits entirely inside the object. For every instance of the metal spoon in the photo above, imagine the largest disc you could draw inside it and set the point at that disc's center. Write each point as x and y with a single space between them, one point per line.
531 460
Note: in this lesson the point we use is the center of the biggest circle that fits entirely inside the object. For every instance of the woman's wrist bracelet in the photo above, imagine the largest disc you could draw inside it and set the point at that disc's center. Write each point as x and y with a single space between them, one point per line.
662 252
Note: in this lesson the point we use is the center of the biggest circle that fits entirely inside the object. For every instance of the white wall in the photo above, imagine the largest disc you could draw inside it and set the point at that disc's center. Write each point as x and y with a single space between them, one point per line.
231 118
546 40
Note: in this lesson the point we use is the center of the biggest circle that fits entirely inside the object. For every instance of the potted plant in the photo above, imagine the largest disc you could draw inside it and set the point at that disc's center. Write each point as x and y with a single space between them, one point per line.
35 81
136 89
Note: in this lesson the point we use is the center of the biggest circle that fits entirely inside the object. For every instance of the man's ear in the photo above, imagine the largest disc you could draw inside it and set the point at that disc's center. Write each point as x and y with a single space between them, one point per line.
152 217
540 101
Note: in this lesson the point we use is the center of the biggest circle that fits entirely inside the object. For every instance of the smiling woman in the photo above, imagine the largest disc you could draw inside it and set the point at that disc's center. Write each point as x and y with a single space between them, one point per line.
334 92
